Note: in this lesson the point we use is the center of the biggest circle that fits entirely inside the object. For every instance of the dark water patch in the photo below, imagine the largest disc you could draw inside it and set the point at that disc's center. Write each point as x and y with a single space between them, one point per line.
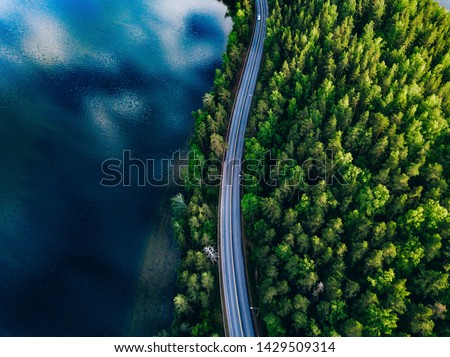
200 26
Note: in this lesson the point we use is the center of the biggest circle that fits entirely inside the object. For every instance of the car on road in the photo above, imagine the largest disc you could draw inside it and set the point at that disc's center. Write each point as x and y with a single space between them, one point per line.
259 17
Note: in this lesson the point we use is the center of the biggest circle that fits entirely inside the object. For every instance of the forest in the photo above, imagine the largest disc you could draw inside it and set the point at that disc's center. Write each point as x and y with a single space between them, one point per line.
348 233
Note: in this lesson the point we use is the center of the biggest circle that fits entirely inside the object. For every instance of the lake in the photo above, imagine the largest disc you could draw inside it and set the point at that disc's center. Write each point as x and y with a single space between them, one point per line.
80 82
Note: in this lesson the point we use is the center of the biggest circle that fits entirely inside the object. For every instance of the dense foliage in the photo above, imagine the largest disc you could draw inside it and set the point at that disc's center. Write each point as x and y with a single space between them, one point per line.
352 237
197 305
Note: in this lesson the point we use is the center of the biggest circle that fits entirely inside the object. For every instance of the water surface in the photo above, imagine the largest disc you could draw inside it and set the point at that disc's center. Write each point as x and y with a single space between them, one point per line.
81 81
445 3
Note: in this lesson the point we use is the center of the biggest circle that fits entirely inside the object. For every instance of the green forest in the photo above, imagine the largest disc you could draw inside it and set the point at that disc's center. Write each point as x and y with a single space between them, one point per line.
348 235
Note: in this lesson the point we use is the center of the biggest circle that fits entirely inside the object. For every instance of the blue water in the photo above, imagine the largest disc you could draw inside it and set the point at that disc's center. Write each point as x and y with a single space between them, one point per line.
81 81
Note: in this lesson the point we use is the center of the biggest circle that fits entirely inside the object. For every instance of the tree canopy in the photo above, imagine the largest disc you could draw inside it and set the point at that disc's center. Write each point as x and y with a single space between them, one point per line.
353 239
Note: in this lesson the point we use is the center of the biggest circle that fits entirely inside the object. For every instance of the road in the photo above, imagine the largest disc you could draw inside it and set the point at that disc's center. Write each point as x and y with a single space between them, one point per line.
235 301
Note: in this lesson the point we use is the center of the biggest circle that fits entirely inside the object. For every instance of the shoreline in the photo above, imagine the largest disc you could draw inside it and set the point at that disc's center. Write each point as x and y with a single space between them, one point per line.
145 316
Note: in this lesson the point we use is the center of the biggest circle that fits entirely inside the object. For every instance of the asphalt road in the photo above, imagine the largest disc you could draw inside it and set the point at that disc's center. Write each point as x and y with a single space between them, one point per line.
235 301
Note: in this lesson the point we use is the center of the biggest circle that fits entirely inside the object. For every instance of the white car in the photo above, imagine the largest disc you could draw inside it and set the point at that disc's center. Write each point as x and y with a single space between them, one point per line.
259 17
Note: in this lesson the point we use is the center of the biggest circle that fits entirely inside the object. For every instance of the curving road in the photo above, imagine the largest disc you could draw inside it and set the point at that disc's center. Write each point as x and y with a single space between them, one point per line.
235 301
